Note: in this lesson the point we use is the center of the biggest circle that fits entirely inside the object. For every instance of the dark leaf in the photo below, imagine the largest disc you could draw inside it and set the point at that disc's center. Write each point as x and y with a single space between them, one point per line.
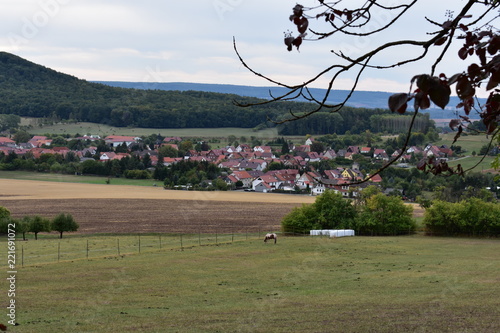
481 53
298 10
464 88
494 45
439 93
460 129
398 102
423 82
297 42
440 41
454 78
462 53
494 80
474 70
289 42
303 24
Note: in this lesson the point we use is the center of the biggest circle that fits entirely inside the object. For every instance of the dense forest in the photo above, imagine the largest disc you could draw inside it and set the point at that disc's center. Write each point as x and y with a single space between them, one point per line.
31 90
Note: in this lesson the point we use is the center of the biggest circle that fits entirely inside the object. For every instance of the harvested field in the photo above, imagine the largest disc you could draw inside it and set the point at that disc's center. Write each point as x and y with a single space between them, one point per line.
131 209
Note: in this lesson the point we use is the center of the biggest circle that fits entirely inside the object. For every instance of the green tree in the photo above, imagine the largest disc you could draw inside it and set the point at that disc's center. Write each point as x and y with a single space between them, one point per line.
168 151
39 224
4 212
385 215
21 137
329 211
23 226
220 185
64 222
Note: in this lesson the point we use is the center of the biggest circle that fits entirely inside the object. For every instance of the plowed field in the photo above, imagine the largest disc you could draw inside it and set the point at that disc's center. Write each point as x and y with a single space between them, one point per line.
133 209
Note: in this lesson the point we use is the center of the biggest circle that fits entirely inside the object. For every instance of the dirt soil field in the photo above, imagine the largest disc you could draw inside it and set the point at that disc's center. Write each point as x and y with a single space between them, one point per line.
133 209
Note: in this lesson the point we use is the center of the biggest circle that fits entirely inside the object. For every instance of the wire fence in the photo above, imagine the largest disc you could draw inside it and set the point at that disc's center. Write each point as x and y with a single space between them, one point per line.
82 247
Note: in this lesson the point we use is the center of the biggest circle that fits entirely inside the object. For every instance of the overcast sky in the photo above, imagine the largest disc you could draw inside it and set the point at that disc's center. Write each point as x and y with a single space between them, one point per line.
191 41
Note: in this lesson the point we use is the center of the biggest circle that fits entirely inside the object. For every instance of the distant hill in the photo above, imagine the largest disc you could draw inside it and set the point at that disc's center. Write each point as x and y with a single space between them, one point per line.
359 99
32 90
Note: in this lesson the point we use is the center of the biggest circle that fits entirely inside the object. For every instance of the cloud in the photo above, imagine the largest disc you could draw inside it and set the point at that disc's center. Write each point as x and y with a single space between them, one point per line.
192 41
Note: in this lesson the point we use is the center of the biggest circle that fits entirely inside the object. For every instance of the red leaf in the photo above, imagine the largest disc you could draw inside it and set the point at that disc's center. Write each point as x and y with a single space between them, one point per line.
454 123
422 101
421 165
398 102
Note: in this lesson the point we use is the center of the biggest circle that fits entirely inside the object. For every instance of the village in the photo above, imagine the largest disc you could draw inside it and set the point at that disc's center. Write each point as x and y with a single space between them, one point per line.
247 168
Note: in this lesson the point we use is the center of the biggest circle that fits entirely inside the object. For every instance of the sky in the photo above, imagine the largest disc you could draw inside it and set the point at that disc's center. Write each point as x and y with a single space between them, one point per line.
192 41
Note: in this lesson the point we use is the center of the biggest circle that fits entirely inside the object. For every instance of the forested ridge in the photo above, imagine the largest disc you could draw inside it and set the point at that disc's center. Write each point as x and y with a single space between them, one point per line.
31 90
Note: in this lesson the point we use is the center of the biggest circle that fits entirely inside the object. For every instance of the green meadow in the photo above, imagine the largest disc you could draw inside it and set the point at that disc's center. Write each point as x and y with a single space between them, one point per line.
301 284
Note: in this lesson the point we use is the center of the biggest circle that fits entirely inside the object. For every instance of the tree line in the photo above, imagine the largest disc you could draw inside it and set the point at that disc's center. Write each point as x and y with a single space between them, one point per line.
35 224
355 121
374 213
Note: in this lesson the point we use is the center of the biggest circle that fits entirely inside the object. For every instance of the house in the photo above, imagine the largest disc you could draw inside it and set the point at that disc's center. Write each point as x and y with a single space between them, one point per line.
270 180
307 179
243 148
7 142
244 177
247 165
262 149
263 187
365 150
333 174
330 154
109 156
380 154
172 139
39 140
353 149
118 140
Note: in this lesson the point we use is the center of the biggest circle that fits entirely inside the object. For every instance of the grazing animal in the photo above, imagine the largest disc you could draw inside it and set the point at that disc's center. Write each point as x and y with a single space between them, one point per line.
271 236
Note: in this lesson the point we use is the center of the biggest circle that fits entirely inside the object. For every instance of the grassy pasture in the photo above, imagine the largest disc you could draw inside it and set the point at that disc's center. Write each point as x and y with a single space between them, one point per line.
301 284
105 130
469 143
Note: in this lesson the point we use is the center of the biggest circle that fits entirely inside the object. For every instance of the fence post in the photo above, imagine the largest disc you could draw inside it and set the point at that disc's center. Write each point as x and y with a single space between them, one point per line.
118 245
87 249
